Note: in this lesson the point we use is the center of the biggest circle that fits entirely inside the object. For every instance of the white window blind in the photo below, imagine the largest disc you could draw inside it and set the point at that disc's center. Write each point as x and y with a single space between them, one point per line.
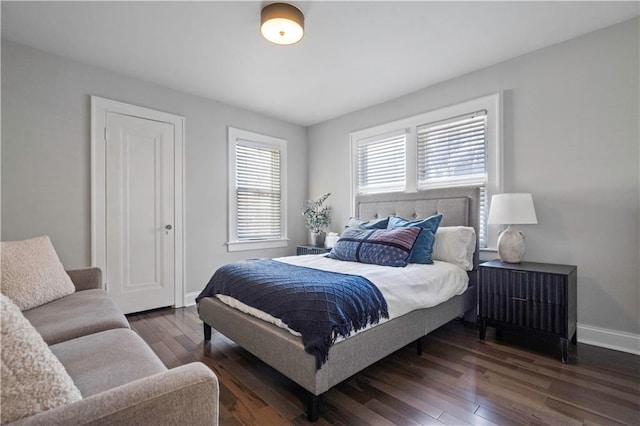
258 192
453 152
483 238
381 163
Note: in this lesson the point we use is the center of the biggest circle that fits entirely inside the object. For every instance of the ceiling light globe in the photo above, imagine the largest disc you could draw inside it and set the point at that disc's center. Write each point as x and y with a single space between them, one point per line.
282 23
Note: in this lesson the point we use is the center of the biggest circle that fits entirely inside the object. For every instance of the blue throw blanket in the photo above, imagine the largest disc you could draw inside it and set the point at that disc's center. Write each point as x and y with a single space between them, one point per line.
320 305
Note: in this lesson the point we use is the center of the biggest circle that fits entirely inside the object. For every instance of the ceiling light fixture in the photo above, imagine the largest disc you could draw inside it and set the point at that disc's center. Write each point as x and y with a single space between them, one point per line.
282 23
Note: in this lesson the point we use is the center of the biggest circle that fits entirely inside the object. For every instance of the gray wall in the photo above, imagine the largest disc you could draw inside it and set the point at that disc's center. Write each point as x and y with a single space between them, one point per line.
570 137
46 158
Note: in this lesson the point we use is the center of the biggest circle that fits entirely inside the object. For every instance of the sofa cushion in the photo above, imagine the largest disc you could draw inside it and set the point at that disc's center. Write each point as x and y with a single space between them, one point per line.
32 274
79 314
102 361
32 378
86 278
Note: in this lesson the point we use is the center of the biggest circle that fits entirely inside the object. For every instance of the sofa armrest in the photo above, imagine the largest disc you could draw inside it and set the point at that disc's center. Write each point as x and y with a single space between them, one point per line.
86 278
185 395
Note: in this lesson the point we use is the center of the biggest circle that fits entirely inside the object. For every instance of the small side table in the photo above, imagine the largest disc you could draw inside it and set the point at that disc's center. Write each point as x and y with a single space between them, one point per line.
533 298
300 250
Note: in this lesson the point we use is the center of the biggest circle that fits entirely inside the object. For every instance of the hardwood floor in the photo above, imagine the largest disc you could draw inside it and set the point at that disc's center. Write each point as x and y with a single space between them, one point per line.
458 380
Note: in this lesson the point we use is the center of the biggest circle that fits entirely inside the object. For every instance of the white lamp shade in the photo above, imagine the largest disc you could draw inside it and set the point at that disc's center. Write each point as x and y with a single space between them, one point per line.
282 23
512 209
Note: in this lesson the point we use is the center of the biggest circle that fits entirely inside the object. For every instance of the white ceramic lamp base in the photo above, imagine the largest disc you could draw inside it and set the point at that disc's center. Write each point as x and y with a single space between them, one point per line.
511 246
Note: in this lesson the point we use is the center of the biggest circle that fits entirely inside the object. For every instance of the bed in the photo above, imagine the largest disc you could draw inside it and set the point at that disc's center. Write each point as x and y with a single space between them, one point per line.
284 351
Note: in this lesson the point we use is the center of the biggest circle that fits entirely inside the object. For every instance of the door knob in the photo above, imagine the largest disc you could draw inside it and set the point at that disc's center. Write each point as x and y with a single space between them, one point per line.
168 227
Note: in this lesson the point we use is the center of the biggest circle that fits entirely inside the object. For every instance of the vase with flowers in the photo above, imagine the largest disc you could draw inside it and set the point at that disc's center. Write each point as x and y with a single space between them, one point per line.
317 218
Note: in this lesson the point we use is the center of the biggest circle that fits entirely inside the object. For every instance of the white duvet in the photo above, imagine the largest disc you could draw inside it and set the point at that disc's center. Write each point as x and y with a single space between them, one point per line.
405 289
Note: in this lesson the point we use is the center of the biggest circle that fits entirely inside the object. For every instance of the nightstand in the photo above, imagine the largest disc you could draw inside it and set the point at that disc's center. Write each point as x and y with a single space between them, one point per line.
533 298
300 250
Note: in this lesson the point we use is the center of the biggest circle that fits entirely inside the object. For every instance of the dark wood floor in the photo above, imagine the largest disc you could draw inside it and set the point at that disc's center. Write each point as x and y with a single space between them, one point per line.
458 380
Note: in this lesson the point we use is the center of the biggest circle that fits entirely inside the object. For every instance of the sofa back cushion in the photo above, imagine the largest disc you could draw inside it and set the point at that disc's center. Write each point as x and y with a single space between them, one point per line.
32 378
32 274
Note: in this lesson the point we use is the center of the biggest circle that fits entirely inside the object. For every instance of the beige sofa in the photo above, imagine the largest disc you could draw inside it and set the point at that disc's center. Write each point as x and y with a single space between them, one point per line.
120 378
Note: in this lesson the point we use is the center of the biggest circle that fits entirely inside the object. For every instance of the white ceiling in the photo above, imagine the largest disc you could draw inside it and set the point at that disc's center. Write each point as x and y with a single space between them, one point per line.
353 55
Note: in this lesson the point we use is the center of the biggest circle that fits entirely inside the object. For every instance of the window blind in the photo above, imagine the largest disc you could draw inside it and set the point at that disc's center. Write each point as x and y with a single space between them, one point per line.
381 163
483 237
454 152
258 191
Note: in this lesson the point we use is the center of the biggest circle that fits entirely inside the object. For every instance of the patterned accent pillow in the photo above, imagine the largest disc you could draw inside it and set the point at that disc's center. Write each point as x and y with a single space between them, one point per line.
423 251
386 247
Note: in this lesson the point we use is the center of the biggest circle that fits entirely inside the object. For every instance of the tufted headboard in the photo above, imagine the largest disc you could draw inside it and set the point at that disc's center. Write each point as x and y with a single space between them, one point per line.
459 207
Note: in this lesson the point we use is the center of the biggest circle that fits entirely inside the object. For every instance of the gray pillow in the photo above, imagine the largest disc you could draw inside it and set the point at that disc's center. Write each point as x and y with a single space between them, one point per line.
32 274
32 378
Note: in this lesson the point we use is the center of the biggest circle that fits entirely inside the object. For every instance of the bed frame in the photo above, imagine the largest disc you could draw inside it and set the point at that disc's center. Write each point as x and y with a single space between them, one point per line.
285 352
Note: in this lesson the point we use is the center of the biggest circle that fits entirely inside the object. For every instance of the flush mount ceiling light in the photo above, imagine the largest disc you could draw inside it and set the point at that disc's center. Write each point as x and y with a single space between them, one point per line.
282 23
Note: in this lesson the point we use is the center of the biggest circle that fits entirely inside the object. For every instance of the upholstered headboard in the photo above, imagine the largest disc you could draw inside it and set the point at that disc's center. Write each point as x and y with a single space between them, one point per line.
459 207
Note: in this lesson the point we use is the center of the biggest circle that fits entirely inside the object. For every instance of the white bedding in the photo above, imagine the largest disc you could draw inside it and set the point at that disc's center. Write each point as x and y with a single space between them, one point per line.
415 286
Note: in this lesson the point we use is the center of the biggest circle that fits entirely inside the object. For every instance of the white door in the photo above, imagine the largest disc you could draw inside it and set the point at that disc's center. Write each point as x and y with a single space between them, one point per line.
139 212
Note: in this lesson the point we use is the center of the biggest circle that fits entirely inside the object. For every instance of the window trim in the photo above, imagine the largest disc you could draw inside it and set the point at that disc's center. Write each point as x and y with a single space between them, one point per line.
491 103
233 244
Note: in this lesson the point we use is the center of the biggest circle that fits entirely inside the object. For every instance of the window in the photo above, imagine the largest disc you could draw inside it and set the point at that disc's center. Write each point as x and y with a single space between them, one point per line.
454 146
454 152
381 163
257 194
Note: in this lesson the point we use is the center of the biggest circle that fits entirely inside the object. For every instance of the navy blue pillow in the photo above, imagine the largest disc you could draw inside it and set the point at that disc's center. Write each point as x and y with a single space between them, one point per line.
357 223
386 247
423 250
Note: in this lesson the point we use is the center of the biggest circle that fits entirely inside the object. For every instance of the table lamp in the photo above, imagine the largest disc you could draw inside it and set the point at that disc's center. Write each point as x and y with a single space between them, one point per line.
512 209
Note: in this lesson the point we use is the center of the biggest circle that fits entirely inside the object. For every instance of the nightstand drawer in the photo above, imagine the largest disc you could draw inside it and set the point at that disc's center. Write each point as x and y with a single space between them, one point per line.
523 312
525 286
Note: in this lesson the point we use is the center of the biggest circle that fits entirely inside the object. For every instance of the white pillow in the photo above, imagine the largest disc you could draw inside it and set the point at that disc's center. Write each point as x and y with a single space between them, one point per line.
455 244
32 274
32 378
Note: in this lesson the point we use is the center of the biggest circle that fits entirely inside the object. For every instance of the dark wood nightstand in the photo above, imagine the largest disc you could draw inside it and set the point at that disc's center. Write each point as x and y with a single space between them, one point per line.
300 250
533 298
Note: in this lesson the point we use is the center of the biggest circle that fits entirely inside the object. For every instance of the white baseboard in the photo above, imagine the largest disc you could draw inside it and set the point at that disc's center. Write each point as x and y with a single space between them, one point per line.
610 339
190 298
